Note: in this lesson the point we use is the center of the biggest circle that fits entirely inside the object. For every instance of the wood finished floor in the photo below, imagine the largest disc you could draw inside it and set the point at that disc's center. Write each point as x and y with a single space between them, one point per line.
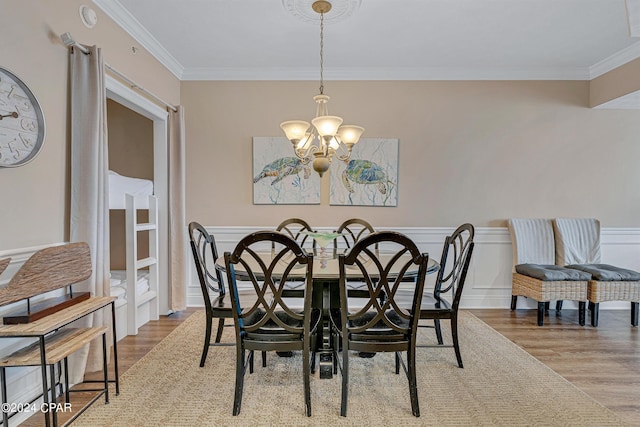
604 362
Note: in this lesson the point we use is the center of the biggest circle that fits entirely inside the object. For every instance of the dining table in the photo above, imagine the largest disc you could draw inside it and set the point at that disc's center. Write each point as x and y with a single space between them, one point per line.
325 289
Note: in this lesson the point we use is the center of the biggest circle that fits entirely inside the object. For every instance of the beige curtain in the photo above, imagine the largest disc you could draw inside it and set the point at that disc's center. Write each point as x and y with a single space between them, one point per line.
89 211
177 212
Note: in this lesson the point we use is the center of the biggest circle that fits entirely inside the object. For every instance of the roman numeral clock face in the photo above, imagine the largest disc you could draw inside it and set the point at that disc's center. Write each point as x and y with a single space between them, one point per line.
21 122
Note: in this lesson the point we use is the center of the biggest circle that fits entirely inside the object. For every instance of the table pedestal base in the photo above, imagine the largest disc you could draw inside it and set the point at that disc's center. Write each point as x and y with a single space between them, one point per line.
326 365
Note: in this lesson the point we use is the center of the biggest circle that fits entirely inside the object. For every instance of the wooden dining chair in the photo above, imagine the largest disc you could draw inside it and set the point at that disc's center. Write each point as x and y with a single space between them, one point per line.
217 303
372 326
271 323
296 228
444 302
351 231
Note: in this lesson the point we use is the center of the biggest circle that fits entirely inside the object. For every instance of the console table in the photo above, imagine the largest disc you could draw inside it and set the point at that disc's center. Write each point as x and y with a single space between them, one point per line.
47 270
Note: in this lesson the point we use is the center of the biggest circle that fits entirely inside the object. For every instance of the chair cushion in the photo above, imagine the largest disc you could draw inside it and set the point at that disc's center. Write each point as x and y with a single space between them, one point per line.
379 328
550 272
607 273
431 304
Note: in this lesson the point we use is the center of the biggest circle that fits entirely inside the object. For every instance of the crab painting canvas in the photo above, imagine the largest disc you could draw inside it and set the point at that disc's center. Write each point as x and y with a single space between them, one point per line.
369 177
279 177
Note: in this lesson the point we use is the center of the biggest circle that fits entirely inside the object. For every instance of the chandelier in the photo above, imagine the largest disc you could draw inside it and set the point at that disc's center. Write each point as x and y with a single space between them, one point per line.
327 137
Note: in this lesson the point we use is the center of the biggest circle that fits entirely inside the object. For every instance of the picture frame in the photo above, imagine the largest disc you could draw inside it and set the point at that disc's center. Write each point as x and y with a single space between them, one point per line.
369 177
281 178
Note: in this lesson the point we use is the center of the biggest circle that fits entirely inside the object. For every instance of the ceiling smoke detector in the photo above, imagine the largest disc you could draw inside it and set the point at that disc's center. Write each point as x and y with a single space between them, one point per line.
88 16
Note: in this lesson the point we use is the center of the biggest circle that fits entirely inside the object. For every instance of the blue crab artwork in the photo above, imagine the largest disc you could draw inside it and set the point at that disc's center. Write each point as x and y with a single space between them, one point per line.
365 172
283 167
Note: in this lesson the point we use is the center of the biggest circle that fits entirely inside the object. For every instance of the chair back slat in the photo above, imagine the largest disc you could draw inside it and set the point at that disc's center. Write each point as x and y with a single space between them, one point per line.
352 230
296 228
454 264
384 276
267 279
205 253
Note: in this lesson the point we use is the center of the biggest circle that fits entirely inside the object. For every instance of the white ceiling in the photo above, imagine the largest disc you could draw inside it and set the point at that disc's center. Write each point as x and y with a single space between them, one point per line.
382 39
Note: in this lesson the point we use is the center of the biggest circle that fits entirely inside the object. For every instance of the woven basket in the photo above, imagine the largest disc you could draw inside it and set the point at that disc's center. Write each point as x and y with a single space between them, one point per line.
542 291
613 291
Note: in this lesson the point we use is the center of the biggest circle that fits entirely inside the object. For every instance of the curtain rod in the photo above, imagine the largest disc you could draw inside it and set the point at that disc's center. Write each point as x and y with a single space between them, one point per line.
68 40
134 85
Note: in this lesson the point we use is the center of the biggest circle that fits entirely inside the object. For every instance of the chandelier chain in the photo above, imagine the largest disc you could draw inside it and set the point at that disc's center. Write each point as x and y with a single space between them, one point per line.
327 138
321 53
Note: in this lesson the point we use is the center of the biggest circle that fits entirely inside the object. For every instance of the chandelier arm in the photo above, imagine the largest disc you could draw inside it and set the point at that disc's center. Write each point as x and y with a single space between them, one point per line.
342 153
305 155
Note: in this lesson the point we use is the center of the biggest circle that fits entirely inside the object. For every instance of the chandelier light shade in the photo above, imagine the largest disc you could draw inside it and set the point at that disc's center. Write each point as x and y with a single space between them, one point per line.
326 137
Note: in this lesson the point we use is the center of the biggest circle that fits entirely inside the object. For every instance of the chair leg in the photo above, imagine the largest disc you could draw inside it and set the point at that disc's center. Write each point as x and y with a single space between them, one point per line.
594 314
312 368
336 350
251 362
582 308
558 305
634 313
307 386
454 335
541 306
207 340
264 359
546 306
397 363
514 302
220 329
237 399
413 383
438 331
345 380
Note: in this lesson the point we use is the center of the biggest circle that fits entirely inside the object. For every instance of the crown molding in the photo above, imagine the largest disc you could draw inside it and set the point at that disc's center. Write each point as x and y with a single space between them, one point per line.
135 29
614 61
373 73
630 101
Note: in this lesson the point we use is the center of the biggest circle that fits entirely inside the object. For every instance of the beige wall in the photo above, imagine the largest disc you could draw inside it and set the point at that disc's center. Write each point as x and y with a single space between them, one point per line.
469 151
616 83
130 154
34 197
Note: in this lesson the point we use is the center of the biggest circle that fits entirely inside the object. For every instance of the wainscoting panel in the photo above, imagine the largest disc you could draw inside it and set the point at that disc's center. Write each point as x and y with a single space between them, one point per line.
489 279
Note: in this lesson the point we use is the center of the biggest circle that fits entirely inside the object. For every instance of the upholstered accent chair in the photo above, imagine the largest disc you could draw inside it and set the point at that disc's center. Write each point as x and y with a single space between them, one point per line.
535 274
578 247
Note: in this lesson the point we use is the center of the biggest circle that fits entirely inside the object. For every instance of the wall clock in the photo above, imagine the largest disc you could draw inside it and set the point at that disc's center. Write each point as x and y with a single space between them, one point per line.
21 122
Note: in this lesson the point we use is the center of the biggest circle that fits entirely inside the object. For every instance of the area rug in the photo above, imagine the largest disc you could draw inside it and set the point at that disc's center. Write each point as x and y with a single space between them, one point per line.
500 385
